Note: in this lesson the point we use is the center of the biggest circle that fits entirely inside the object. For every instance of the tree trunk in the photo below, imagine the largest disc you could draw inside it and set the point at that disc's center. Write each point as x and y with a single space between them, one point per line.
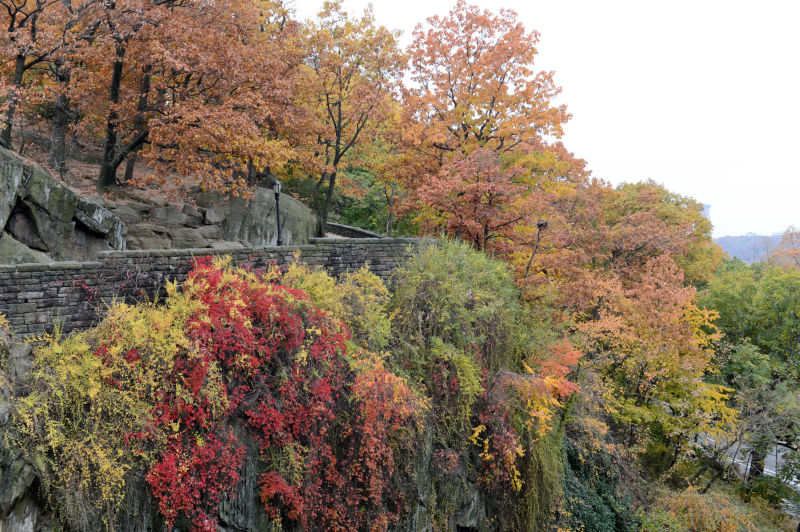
108 168
324 218
756 464
58 130
389 207
140 121
130 164
16 86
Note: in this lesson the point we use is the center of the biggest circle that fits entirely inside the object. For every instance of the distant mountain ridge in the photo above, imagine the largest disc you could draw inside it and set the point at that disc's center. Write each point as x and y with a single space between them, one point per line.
750 247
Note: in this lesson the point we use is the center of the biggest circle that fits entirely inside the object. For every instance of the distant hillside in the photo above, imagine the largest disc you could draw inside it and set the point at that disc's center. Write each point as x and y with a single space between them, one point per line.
750 247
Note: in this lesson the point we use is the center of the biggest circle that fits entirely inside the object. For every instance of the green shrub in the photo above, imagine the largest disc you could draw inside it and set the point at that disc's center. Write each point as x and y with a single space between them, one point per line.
594 497
467 341
358 298
692 511
463 297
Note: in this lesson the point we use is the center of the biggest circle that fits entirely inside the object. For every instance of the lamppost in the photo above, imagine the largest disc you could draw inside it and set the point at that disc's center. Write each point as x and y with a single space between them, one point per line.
276 188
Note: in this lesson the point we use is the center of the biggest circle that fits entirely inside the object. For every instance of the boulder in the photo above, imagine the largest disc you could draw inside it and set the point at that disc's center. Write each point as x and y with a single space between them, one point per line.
10 181
44 214
214 216
185 237
101 221
195 216
12 251
127 214
208 198
148 236
147 230
149 242
211 232
171 216
141 197
253 220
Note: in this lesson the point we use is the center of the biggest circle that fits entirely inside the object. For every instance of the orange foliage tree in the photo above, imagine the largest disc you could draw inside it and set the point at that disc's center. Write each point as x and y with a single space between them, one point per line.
788 251
476 89
353 69
475 84
26 43
197 87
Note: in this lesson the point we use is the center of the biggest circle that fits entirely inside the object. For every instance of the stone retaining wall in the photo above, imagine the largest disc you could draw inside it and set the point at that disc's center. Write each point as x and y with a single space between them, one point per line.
35 296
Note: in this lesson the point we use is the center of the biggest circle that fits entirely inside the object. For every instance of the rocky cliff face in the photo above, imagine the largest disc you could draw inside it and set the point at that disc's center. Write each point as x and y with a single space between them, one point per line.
41 219
253 220
20 506
23 508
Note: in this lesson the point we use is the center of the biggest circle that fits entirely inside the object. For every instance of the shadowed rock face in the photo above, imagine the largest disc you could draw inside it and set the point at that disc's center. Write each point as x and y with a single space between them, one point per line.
38 213
19 511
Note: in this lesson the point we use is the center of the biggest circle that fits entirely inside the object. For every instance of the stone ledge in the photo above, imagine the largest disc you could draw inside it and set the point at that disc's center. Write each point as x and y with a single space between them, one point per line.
349 231
194 252
49 267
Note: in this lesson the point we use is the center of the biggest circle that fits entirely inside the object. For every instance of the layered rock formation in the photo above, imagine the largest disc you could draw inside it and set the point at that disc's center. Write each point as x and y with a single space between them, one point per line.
20 506
213 220
41 219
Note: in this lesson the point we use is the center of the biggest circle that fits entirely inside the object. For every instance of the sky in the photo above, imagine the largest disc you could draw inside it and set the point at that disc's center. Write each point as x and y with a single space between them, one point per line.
701 96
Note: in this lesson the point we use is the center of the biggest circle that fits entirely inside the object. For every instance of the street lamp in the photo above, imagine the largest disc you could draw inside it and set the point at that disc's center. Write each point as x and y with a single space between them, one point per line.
276 188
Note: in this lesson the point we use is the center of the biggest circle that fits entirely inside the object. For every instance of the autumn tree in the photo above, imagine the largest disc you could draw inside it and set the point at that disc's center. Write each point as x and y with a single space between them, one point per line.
479 198
195 89
29 40
353 68
475 84
653 345
476 88
232 100
788 250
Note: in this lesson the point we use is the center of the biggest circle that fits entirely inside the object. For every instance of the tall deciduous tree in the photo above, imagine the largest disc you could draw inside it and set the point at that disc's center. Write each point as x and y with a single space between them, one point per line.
29 39
788 251
353 68
480 198
196 89
475 84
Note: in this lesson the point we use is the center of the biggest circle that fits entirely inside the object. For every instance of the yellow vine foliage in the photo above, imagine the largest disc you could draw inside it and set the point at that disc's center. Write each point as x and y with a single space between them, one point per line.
82 407
357 298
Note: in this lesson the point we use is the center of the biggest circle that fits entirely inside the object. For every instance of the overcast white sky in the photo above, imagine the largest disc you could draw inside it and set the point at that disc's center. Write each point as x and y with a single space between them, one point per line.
702 96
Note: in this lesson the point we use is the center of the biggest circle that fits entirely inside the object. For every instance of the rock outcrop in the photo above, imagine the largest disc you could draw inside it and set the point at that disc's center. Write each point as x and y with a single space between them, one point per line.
45 219
42 220
12 251
20 507
253 220
213 221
